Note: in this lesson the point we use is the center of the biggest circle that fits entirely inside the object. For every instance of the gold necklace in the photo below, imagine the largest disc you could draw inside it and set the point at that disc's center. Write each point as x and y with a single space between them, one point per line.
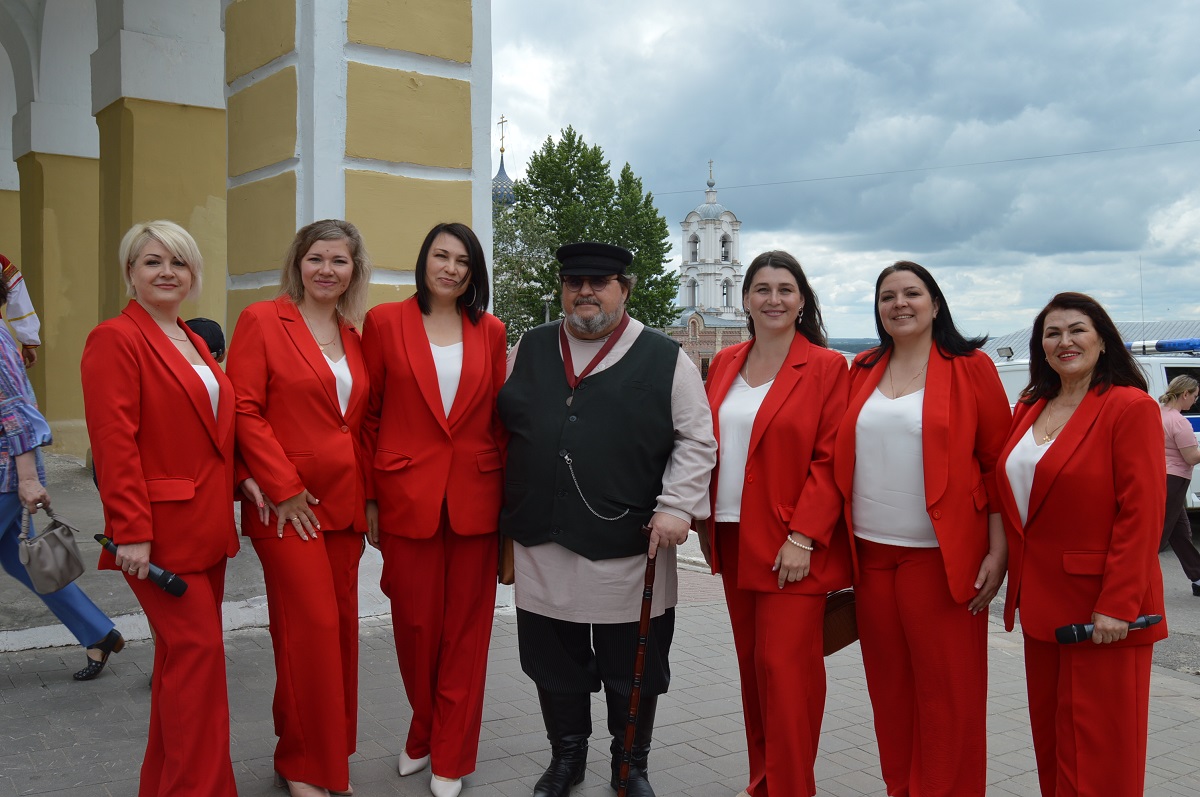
314 332
892 379
1050 432
172 337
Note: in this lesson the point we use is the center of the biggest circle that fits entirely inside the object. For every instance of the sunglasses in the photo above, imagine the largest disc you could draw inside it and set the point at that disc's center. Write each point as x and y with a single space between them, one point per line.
597 284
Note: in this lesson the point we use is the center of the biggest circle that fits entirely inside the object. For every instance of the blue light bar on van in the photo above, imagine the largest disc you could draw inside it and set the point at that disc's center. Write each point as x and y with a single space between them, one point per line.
1164 346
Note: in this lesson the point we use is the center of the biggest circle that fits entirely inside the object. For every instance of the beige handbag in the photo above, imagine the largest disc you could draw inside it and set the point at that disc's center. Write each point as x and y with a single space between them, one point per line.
51 558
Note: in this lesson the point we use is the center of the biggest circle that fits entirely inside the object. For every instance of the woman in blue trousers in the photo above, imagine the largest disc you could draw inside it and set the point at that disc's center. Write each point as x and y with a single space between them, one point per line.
22 484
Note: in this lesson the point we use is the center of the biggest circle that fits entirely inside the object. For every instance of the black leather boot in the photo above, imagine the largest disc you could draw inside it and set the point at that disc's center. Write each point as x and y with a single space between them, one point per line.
568 718
618 718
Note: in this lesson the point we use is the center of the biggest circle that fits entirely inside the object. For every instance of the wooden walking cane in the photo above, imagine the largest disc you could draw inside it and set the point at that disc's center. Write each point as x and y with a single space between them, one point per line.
639 667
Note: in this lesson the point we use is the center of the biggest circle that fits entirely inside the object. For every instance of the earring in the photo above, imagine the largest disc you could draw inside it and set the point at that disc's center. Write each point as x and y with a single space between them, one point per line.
474 296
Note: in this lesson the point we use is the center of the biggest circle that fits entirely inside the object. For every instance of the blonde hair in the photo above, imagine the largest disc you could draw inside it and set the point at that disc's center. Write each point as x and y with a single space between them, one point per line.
174 238
352 304
1179 385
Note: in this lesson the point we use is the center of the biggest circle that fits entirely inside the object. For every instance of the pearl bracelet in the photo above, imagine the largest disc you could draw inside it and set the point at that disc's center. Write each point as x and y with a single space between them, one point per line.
798 544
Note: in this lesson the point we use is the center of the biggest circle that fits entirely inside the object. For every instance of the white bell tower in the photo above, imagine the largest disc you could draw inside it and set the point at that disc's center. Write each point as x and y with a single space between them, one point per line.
710 278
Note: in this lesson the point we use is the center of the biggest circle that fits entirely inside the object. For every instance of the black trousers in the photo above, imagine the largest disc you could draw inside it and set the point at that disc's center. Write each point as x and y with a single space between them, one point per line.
1177 530
561 656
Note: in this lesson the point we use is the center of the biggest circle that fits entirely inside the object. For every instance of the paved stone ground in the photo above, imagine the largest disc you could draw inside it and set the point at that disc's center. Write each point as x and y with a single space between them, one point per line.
58 737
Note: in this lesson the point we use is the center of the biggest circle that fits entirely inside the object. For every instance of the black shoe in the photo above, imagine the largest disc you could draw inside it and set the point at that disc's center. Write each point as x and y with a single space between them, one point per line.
112 643
1196 589
568 718
637 784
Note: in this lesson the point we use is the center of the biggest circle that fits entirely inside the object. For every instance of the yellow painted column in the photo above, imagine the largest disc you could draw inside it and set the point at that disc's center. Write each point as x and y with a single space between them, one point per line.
368 110
159 106
10 224
416 81
261 77
59 226
163 161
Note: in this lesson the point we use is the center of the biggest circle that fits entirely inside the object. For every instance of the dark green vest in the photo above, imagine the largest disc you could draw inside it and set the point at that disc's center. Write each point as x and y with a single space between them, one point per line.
617 434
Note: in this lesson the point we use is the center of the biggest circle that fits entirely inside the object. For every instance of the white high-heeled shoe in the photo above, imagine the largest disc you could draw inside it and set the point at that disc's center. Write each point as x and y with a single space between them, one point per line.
411 766
445 788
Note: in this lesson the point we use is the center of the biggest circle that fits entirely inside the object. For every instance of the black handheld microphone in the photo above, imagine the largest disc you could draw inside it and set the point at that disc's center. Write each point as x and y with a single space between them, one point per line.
171 583
1081 632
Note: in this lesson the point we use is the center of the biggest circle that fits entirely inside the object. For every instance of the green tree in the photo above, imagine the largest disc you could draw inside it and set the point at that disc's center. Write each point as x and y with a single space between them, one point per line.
568 195
522 263
638 226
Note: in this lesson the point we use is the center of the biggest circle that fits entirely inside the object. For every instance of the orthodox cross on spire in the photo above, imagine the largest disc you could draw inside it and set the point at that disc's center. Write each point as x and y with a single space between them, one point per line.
711 182
504 121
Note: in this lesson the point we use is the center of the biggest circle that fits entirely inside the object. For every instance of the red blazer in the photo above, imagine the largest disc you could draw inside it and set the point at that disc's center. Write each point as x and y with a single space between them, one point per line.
1090 543
163 463
788 485
419 458
964 419
291 432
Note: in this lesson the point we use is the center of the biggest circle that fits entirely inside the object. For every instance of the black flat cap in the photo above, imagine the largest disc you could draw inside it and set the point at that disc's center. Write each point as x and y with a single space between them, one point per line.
589 259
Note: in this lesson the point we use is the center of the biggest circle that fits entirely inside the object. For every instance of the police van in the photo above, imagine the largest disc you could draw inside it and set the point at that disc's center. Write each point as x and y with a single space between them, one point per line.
1160 361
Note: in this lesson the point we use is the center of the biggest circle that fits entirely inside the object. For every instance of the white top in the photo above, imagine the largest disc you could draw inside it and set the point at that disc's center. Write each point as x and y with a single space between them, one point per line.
555 582
1020 468
345 382
889 474
210 384
735 419
20 314
448 362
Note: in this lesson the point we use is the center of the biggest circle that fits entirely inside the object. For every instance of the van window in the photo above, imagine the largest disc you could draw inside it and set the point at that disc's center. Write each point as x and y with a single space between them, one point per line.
1174 371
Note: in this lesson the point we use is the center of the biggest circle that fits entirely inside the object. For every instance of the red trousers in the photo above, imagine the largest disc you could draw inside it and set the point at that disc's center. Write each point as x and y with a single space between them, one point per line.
312 600
443 594
925 658
187 752
1089 707
778 639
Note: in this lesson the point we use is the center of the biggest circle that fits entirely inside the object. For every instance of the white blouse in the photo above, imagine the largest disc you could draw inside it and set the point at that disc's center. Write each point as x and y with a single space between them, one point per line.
888 501
210 384
448 362
1020 469
344 379
735 419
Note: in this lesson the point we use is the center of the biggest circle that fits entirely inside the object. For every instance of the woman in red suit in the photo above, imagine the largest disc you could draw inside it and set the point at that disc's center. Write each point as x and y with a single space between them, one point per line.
777 401
1082 486
297 367
436 362
159 414
915 460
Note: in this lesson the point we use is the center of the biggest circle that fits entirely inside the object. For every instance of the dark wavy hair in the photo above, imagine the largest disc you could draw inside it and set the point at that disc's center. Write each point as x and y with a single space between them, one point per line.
809 323
1115 366
477 276
949 341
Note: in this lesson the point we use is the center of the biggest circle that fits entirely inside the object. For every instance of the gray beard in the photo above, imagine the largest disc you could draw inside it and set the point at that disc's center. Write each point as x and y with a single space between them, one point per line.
596 324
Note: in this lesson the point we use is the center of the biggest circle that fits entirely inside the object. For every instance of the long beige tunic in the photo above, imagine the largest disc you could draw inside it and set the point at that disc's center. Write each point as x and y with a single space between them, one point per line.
555 582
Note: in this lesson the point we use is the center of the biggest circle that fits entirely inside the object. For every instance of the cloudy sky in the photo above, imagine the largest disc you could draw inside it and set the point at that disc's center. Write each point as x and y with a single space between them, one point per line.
1017 149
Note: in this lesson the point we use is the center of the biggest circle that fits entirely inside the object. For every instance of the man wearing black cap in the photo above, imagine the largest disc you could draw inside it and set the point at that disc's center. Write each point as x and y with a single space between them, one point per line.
610 430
